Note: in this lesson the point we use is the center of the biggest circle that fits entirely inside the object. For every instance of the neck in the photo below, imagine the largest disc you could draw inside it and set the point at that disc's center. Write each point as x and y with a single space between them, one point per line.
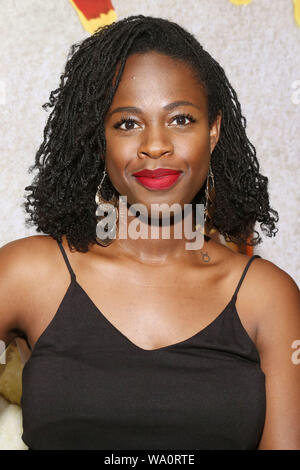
158 241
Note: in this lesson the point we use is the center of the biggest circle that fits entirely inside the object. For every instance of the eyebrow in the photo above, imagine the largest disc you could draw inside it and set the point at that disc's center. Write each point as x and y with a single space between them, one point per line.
167 107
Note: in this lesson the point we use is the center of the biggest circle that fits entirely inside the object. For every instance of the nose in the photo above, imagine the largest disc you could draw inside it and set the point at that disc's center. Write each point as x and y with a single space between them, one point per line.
155 143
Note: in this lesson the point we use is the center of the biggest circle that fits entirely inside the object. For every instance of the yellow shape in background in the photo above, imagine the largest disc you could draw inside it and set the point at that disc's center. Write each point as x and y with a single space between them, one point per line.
240 2
297 11
92 25
11 375
296 7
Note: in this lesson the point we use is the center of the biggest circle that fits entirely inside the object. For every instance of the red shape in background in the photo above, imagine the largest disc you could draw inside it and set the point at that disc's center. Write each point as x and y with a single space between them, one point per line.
93 8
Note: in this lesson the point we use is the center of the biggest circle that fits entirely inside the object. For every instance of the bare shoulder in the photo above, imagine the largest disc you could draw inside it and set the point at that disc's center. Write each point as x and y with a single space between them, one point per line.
27 242
268 294
277 302
265 282
271 297
20 256
23 263
273 288
270 274
28 261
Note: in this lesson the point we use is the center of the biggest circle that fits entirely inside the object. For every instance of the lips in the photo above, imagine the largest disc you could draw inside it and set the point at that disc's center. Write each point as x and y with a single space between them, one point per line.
156 173
161 178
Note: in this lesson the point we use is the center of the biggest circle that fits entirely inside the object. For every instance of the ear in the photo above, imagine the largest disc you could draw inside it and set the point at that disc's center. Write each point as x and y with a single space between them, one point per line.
215 131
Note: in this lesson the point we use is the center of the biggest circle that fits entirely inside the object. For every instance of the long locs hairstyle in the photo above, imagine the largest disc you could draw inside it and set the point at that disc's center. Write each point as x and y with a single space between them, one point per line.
71 159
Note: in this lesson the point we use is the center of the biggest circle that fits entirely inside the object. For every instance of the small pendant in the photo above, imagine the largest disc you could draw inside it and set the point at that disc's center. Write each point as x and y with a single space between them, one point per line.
205 257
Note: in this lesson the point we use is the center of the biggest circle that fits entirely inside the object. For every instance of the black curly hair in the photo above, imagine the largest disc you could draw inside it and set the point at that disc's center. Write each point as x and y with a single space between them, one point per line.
69 163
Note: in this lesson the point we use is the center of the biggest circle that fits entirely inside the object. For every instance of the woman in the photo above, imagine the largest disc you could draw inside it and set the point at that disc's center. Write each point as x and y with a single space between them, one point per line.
129 348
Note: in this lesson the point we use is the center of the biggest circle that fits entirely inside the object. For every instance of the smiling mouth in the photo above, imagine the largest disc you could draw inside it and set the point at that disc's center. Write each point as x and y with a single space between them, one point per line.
158 182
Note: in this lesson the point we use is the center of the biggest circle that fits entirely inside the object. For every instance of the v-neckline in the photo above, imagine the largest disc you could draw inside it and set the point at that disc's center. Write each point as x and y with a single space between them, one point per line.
163 348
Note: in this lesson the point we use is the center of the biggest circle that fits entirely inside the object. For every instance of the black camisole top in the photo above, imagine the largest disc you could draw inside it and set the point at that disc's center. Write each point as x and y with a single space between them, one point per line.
87 386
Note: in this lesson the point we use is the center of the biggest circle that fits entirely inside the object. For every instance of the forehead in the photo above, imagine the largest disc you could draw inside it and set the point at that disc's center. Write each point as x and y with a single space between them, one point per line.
153 78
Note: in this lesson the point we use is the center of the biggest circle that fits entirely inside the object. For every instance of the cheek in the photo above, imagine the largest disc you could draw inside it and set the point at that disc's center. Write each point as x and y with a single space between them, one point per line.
119 150
197 157
193 141
117 158
194 150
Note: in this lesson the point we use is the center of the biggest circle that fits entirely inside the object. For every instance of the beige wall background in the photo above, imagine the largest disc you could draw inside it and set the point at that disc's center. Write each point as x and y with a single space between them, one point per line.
257 45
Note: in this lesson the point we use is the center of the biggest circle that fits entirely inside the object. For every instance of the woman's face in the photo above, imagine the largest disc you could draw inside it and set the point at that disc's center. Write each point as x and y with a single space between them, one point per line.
157 91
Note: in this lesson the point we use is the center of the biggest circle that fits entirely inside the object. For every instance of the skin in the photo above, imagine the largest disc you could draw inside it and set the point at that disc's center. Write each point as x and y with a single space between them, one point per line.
157 137
139 278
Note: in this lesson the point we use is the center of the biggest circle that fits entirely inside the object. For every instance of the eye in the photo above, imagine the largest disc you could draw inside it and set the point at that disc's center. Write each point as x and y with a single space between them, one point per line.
182 117
126 121
129 122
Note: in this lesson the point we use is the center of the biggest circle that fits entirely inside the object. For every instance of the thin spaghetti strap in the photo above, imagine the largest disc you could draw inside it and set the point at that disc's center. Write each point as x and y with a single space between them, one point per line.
244 274
73 277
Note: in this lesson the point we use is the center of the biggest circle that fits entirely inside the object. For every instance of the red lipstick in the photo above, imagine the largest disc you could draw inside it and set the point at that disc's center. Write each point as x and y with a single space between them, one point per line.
161 178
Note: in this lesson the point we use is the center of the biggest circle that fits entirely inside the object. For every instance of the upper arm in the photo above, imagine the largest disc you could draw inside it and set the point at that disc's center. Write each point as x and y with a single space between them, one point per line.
278 343
11 296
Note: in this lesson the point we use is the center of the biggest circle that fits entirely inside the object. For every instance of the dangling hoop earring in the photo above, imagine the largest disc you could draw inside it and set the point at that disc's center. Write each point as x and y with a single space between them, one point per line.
210 195
109 218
